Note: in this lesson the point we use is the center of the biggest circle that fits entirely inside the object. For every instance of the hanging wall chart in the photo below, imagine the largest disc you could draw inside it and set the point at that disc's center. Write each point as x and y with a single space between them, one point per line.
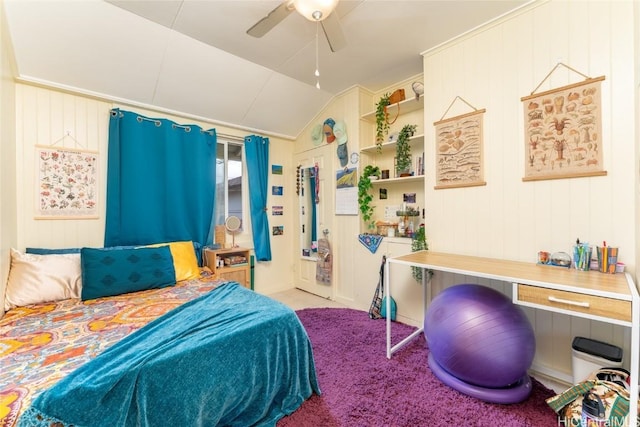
459 142
563 130
67 183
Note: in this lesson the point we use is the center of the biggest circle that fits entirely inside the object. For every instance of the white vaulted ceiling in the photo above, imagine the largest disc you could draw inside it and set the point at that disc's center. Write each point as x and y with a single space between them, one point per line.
194 56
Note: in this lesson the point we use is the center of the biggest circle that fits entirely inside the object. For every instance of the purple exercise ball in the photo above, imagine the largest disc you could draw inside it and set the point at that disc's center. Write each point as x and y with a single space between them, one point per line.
479 336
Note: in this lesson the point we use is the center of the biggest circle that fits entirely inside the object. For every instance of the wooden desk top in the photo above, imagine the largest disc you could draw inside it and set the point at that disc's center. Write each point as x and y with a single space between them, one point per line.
588 282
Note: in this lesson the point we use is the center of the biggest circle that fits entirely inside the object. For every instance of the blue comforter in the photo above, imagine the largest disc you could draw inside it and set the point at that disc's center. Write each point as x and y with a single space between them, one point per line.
231 357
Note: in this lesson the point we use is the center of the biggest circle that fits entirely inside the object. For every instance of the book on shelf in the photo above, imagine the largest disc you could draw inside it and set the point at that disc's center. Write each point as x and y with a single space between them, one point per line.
419 169
237 265
235 260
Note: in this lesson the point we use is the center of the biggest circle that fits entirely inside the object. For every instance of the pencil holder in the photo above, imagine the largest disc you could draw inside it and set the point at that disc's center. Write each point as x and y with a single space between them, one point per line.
582 257
607 259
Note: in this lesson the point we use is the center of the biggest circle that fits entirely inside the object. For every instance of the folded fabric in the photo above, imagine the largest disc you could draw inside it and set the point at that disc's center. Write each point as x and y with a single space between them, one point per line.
606 389
370 241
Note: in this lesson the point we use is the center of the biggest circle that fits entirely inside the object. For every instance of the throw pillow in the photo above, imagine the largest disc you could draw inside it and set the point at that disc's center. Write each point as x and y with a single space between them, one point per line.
55 251
107 272
42 278
185 261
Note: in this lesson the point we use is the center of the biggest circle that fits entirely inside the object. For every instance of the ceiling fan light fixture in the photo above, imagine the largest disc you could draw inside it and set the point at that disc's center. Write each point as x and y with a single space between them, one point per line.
315 10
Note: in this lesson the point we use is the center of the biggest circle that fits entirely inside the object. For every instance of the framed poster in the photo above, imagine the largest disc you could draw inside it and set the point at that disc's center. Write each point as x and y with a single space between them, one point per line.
459 151
563 132
67 183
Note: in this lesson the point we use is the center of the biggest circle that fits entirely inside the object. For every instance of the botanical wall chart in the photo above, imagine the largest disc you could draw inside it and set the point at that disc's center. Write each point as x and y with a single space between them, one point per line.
459 151
563 134
67 183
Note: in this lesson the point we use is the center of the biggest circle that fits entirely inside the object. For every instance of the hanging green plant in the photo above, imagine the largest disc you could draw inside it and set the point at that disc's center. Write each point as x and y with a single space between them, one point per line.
419 243
382 124
365 196
403 150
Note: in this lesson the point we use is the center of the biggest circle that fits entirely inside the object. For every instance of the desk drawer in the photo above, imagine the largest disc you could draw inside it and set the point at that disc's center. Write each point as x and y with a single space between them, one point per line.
579 303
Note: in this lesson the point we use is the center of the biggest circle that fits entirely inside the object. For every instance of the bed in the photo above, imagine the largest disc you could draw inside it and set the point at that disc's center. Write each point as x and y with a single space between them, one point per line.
199 352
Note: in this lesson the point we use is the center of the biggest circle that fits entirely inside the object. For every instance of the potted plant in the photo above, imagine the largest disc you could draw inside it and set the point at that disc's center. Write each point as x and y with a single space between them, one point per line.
382 124
403 150
364 194
371 171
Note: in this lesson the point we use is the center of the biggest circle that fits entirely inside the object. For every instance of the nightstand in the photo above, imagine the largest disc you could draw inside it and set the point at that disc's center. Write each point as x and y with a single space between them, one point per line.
230 264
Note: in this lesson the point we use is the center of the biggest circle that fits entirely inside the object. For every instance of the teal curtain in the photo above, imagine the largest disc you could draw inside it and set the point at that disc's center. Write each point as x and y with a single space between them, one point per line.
160 181
314 210
257 153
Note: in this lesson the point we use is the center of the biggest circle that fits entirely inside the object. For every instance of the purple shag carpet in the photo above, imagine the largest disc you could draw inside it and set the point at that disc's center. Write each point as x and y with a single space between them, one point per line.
361 387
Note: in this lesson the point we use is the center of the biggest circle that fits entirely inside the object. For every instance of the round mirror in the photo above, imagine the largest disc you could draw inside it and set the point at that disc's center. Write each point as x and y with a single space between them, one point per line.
232 224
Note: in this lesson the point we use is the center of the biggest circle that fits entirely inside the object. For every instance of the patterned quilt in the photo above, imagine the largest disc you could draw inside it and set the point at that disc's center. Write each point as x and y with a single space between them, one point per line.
39 344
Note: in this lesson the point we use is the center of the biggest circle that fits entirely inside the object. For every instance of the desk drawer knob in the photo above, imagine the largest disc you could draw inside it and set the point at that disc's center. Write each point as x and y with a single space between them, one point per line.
568 302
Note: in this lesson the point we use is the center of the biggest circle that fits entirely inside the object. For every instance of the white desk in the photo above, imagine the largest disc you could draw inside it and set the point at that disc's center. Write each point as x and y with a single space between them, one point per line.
611 298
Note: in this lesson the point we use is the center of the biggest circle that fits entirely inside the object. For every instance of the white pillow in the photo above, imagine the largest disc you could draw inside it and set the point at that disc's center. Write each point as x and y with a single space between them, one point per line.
42 278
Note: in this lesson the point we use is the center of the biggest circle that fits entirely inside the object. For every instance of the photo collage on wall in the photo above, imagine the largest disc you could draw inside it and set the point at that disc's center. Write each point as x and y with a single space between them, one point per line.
277 190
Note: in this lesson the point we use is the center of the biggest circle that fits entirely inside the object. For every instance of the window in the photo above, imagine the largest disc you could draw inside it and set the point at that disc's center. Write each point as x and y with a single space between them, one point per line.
228 181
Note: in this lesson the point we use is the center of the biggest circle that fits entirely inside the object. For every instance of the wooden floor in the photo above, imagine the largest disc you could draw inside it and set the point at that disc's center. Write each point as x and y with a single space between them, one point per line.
298 299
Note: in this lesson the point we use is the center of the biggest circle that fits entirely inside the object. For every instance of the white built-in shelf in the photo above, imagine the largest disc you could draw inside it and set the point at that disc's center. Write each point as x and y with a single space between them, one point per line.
400 240
406 106
414 141
414 178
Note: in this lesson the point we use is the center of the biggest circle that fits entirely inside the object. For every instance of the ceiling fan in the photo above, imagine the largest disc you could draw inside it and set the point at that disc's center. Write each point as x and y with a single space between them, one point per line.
319 11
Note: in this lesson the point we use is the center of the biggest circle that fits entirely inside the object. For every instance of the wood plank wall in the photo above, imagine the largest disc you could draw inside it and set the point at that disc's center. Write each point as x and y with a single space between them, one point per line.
46 116
492 68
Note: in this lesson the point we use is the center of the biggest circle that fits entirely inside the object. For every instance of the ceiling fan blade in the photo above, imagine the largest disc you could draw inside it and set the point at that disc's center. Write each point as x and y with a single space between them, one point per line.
274 17
333 31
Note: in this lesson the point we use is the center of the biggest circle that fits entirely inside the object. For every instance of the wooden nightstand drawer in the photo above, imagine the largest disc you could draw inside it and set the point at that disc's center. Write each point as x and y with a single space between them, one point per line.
578 303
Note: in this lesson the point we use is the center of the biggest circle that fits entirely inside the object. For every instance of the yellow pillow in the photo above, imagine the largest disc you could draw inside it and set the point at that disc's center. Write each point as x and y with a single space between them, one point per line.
184 259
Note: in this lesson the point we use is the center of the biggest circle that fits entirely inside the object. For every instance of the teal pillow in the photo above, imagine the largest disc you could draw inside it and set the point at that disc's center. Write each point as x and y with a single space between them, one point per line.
56 251
45 251
107 272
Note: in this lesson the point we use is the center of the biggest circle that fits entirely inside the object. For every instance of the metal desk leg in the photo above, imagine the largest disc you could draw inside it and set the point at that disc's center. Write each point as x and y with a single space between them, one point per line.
387 293
635 353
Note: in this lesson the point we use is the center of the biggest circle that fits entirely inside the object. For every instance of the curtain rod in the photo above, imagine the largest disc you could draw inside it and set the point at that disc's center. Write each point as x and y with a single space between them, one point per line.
231 137
106 98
